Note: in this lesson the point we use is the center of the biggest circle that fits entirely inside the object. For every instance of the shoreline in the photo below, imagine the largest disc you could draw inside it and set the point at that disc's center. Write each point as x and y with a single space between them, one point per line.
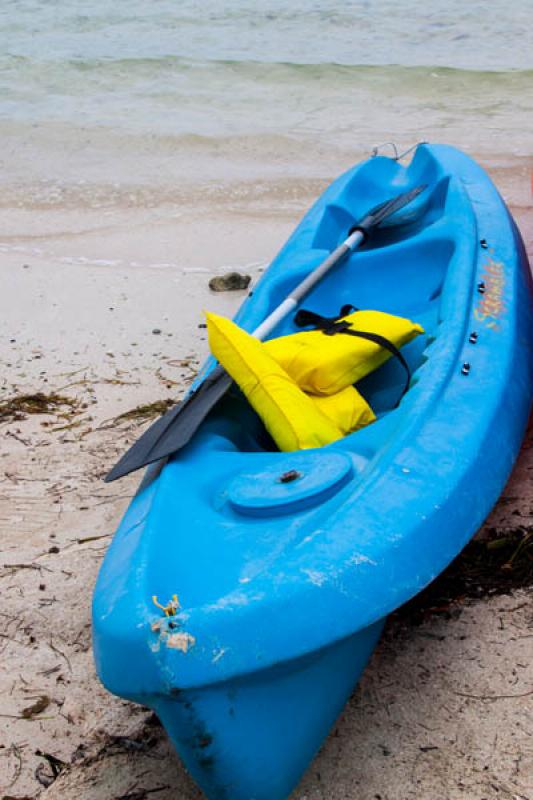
191 225
86 330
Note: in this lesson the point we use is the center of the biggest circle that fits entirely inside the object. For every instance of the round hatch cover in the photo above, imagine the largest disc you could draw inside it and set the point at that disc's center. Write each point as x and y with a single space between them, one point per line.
291 483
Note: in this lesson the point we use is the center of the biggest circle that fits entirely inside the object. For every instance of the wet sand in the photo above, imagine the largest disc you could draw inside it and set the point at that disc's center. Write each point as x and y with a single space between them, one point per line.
102 306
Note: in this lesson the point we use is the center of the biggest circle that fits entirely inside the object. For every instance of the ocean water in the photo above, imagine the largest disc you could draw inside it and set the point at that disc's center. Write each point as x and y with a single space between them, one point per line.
155 92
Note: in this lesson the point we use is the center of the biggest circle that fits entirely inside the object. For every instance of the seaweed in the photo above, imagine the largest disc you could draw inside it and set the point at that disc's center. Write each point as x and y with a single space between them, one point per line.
56 766
20 406
140 794
41 704
19 797
146 411
497 564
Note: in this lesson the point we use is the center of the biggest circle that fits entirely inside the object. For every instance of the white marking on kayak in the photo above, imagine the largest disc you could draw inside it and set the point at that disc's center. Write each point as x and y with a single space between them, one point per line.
360 559
310 537
219 655
318 578
236 599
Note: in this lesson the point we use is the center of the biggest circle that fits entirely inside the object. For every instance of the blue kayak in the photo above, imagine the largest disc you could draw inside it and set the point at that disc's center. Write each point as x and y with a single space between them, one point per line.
283 588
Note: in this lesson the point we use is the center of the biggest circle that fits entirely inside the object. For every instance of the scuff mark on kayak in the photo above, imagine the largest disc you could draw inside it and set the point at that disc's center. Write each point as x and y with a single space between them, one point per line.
180 641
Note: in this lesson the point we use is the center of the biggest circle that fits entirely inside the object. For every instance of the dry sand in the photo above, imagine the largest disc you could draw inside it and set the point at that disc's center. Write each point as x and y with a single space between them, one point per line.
444 710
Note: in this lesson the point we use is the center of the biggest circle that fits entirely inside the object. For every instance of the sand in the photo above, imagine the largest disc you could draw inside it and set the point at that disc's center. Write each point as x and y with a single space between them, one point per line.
102 306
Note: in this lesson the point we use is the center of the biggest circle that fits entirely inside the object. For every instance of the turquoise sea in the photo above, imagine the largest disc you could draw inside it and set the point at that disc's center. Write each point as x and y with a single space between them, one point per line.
152 92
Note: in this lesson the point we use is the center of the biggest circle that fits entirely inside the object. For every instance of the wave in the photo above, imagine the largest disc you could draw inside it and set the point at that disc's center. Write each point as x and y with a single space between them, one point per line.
259 67
301 101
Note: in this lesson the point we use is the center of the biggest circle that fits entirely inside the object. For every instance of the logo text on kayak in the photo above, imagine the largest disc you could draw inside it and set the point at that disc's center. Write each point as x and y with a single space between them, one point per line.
491 306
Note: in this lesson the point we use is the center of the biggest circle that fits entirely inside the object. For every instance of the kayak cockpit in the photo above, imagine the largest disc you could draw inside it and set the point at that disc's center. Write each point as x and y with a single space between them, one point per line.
426 276
406 273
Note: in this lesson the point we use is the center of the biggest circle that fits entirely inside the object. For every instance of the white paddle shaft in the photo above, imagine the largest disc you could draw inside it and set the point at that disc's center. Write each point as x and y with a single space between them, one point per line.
303 288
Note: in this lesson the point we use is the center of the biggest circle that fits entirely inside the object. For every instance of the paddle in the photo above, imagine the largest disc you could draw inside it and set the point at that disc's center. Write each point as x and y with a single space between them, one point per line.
174 429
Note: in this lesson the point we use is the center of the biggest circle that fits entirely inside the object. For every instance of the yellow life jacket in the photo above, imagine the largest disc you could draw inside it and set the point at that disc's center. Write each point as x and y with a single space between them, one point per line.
324 365
294 419
347 409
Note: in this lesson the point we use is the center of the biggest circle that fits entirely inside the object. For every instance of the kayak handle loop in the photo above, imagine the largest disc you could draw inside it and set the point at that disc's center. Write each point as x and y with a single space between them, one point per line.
397 156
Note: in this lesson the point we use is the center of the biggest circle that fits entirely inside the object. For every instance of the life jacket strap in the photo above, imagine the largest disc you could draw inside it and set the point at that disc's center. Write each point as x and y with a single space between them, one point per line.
304 318
332 325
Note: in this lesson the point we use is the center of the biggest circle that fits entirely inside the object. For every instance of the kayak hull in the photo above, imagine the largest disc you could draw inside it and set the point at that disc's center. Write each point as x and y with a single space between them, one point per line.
280 608
253 737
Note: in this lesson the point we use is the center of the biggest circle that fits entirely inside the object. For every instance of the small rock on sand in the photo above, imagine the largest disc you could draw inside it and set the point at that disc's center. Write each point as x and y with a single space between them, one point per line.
230 282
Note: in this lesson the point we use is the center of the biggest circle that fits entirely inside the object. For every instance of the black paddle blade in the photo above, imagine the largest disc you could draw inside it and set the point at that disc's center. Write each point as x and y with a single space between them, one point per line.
377 215
165 436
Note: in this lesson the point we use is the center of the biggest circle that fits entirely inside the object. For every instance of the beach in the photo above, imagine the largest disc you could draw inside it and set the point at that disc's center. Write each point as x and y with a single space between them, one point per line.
130 178
112 338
